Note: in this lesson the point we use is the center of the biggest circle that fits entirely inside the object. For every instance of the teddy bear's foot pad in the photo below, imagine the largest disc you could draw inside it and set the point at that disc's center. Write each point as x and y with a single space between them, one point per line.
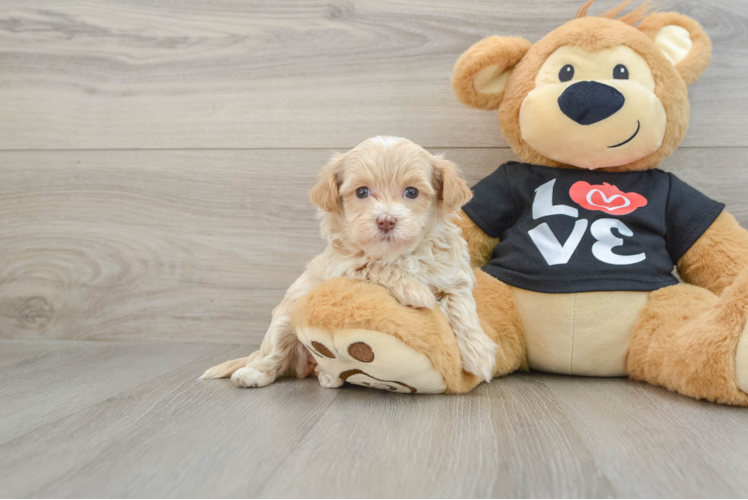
371 359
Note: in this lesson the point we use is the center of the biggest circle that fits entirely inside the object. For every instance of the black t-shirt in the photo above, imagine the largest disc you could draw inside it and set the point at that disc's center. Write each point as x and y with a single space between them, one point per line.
564 230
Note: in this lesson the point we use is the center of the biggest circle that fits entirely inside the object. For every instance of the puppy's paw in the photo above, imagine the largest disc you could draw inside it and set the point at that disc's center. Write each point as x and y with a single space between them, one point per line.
329 381
478 355
251 377
305 362
419 297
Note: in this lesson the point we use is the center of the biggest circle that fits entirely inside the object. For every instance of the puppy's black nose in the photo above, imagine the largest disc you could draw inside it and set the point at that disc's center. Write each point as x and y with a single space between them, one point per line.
386 222
589 102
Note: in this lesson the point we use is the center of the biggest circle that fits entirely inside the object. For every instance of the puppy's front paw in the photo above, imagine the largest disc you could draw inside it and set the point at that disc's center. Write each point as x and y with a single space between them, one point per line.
329 381
479 355
418 297
251 377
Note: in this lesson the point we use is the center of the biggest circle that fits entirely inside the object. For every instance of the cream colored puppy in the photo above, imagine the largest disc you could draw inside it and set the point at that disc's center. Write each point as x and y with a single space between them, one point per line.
386 208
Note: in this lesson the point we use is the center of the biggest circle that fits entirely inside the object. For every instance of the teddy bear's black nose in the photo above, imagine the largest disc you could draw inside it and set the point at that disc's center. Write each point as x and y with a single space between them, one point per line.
589 102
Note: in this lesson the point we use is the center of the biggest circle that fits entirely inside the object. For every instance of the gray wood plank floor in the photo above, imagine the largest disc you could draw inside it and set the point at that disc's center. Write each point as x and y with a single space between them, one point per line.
148 428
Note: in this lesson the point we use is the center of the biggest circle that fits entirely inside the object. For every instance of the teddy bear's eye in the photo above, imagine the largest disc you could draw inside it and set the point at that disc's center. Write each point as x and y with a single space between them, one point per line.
621 72
362 192
411 193
566 73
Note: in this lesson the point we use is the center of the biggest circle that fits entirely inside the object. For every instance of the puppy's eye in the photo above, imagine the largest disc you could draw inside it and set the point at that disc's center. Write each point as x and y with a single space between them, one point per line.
566 73
362 192
621 72
411 193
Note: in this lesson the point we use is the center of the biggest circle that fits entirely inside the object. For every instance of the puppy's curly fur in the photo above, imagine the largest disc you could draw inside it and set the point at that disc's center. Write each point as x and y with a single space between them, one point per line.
388 210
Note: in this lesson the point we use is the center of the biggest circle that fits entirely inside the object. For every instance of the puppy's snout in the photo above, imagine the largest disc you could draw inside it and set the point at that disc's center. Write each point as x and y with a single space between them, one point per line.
386 222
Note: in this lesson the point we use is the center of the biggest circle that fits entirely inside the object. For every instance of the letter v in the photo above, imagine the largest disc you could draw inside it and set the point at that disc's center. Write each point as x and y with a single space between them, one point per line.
550 248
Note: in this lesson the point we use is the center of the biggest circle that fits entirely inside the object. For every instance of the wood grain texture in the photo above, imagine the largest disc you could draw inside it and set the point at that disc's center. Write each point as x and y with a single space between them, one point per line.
46 381
192 245
495 442
292 74
172 436
525 435
653 443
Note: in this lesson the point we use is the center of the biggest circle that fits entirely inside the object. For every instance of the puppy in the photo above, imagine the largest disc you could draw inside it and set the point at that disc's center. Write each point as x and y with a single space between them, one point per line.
386 208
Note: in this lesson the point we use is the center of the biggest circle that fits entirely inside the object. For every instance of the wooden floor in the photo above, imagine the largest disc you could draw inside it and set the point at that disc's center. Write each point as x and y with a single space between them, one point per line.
118 419
155 159
129 419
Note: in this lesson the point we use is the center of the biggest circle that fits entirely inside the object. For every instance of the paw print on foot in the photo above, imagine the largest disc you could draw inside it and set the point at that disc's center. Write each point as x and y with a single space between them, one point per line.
371 359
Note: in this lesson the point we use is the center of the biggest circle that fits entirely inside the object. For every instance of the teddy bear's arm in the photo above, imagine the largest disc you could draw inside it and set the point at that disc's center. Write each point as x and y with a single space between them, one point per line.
480 245
718 255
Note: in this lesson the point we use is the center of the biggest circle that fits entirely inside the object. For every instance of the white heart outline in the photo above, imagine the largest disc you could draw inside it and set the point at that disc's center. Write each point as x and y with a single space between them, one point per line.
606 200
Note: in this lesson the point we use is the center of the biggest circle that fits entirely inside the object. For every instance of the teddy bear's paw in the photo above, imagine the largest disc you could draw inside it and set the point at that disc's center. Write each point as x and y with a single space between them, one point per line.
741 361
371 359
251 377
478 354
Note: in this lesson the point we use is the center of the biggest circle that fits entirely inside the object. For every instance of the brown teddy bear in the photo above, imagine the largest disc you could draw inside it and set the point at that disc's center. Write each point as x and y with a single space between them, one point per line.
576 243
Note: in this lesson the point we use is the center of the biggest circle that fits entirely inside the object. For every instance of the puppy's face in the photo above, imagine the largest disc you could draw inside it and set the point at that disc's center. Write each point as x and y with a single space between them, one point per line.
384 195
387 198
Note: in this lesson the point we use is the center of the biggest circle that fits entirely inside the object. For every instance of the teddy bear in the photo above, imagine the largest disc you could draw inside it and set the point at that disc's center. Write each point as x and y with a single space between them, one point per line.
574 245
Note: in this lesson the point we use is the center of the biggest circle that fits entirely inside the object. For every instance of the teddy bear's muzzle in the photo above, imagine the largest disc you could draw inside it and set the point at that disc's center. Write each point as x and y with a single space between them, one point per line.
589 102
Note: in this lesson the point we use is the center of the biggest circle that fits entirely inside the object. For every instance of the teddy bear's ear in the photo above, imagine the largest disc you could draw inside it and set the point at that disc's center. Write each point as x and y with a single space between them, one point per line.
324 194
481 73
683 41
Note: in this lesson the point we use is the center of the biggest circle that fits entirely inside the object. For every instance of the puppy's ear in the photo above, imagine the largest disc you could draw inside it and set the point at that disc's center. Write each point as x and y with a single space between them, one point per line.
481 73
325 193
452 188
682 40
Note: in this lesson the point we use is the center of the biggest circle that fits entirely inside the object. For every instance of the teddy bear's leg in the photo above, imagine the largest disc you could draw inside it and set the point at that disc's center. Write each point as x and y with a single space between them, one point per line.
360 334
689 340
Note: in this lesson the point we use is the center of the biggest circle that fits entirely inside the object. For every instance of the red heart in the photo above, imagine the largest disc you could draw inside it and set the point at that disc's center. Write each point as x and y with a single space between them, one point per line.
605 197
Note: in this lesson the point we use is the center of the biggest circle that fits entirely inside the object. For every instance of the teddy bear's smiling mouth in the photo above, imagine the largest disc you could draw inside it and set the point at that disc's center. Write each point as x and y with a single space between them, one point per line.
638 126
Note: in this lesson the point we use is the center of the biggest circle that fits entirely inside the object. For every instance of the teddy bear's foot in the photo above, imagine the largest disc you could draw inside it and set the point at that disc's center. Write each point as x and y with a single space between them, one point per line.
371 359
694 342
741 361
